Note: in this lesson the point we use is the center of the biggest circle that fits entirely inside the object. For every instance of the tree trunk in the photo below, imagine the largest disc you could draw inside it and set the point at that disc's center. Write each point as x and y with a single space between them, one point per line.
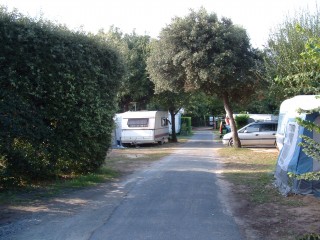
227 107
126 107
173 126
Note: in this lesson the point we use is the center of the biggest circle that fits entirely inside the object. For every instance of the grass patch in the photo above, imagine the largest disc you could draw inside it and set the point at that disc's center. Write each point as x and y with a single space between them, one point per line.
216 136
42 190
184 137
102 175
251 171
116 165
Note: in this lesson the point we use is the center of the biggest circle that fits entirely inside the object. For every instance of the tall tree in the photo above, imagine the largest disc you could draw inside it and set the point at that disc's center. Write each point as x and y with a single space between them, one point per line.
285 45
211 55
173 102
136 87
160 69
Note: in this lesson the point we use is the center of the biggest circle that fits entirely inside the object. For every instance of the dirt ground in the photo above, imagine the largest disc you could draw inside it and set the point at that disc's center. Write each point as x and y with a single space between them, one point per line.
266 221
285 218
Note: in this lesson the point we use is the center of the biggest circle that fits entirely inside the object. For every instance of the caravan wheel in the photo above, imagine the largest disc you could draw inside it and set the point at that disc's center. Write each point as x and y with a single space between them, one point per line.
161 142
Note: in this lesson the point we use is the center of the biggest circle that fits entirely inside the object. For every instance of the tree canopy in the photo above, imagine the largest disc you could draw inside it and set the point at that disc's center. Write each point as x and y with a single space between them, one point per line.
287 72
136 86
201 52
172 102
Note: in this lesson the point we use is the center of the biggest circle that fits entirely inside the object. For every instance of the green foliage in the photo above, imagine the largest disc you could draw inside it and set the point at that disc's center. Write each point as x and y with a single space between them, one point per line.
309 176
307 79
201 52
241 120
291 54
310 147
294 58
57 99
186 127
312 236
36 191
263 103
201 105
136 85
172 102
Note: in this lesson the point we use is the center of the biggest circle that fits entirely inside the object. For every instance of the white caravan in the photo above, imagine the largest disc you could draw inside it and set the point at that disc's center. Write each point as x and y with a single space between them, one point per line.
144 127
289 110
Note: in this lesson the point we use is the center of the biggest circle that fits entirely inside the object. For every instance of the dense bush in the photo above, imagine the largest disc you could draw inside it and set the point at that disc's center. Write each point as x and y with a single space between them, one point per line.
57 99
186 127
241 120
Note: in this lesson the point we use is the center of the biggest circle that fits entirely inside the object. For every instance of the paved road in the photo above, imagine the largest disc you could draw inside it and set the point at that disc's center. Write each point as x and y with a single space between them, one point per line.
177 198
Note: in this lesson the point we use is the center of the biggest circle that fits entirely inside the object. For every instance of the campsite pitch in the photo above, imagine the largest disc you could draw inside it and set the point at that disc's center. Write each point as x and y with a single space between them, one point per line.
271 216
259 206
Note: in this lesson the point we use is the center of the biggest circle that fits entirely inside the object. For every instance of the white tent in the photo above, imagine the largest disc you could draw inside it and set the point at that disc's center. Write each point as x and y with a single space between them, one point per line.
289 111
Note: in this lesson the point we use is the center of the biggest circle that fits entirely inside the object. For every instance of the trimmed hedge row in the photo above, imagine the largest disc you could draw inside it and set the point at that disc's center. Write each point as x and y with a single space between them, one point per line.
241 120
186 127
57 99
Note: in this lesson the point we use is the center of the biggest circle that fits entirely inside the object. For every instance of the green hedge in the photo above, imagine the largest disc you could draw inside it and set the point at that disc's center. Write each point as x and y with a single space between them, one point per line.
57 99
186 126
241 120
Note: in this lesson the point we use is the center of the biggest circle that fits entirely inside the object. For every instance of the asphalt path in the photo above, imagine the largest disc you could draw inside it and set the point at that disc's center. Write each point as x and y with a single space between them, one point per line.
177 198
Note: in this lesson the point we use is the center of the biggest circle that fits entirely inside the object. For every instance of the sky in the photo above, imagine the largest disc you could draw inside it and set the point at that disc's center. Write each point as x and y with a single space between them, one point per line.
258 17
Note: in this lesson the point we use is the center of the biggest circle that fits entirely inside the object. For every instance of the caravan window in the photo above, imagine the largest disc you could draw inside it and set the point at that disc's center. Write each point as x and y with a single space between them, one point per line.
164 122
138 122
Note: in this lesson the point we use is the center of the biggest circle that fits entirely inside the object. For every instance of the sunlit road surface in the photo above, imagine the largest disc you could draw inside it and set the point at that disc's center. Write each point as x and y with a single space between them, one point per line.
177 198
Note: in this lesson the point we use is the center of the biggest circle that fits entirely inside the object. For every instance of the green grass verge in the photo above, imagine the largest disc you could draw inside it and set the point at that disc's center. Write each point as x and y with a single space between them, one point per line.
48 189
184 137
252 173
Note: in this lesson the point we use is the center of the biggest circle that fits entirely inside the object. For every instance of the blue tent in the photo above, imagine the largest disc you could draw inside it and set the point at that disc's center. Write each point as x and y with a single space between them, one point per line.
293 159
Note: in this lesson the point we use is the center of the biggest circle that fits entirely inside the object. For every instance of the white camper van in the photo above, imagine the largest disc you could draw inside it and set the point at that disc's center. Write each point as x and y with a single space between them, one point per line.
289 110
144 127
